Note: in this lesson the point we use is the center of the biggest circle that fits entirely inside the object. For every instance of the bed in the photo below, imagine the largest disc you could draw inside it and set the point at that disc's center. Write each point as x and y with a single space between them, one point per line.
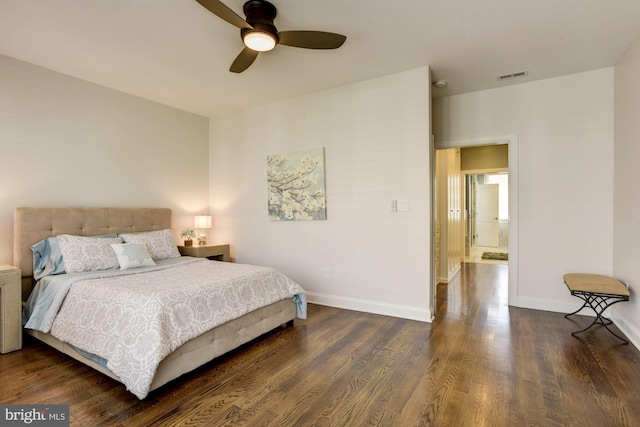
211 336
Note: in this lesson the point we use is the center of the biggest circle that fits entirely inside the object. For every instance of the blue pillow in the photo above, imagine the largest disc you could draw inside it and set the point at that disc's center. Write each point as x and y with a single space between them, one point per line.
47 258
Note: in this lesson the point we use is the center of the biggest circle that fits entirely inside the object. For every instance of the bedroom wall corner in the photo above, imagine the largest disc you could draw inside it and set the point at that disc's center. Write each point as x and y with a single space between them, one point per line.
376 137
69 142
626 232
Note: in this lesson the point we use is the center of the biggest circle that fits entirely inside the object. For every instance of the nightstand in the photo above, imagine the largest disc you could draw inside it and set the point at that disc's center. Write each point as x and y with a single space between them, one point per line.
213 252
10 309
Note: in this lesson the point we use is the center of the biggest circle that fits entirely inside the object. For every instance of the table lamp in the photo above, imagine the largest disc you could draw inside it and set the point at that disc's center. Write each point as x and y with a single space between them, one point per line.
202 223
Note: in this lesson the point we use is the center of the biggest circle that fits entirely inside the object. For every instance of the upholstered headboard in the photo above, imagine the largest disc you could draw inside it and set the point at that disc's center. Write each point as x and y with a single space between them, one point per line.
32 224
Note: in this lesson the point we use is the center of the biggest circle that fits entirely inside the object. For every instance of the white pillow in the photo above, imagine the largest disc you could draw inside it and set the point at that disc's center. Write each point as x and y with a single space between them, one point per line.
160 244
82 253
132 255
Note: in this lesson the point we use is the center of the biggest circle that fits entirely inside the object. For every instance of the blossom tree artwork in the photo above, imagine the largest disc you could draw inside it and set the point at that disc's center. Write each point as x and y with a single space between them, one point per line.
296 186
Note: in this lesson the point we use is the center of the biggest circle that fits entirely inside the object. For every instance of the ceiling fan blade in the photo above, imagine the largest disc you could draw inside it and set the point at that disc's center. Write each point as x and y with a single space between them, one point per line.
244 60
223 12
311 39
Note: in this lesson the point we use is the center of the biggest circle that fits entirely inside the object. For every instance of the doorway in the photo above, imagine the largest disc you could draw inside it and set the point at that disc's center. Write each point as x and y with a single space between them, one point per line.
512 237
487 217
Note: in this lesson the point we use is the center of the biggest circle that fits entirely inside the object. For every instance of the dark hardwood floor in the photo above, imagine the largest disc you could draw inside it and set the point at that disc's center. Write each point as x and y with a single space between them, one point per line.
480 363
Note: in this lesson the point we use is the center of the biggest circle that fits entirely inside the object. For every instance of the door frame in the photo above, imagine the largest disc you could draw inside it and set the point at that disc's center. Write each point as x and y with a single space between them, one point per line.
512 142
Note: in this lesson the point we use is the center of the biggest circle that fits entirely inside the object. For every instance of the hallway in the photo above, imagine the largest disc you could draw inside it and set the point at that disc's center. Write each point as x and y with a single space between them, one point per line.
475 255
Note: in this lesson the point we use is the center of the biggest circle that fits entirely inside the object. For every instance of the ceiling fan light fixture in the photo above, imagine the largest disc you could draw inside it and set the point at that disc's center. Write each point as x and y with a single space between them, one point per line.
259 41
259 34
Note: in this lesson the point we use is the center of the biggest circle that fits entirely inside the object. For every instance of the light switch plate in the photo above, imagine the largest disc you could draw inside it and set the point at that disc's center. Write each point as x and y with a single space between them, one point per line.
403 205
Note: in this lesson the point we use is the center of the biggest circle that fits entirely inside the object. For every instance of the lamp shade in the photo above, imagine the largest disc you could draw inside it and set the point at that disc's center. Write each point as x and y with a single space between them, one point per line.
202 221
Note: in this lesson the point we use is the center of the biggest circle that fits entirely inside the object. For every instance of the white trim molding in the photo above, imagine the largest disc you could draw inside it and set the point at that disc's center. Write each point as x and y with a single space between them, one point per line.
628 329
420 314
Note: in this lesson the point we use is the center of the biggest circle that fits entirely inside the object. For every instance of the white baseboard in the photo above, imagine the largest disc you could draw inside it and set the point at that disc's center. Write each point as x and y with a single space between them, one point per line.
630 331
550 305
375 307
452 275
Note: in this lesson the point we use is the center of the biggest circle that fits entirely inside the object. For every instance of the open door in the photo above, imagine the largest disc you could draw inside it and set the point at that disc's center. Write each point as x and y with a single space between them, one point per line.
487 213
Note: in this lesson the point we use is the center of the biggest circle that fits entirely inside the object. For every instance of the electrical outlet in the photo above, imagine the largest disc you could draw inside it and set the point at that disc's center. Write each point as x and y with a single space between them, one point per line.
328 274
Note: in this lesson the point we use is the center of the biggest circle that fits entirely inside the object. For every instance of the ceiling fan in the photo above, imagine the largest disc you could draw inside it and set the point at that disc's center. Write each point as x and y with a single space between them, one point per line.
259 34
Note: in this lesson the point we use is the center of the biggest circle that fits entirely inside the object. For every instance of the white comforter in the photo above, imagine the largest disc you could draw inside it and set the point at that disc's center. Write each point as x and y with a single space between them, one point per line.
135 321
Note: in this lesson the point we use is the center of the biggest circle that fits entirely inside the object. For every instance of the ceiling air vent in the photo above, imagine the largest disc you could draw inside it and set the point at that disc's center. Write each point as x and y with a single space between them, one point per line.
513 75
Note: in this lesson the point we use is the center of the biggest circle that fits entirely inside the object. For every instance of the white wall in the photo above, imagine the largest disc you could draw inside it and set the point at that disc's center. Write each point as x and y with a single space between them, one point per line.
67 142
626 259
376 139
564 128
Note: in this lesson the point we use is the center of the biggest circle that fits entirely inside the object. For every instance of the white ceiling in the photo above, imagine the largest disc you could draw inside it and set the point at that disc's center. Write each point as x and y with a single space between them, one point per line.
178 53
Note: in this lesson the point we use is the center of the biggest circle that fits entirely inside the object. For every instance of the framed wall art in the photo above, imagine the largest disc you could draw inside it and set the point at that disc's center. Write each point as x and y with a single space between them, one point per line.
296 186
